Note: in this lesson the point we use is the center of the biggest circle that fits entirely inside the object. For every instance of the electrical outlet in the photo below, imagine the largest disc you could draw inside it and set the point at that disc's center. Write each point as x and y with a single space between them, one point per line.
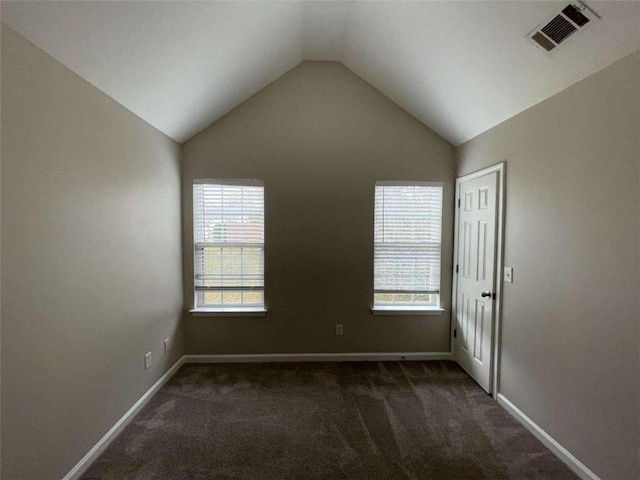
339 329
148 360
166 345
508 274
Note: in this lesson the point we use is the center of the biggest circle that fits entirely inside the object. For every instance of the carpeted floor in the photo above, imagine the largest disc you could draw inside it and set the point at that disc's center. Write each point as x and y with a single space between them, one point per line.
297 421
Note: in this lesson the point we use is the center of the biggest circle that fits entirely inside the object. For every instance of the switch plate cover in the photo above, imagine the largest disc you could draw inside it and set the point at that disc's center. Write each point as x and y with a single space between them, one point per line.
508 274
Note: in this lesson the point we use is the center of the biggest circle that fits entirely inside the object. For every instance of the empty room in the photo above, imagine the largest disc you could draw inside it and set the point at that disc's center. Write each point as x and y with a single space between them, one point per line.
290 240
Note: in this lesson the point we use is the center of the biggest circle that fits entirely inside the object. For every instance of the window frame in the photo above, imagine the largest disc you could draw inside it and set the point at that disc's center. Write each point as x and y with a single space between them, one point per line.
228 310
402 308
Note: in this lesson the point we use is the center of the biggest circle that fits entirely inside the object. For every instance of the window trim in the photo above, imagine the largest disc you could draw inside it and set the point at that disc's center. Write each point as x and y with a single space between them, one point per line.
229 310
410 309
399 310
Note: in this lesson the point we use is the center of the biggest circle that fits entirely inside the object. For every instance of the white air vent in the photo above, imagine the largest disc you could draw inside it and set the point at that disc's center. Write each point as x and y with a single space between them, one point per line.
572 18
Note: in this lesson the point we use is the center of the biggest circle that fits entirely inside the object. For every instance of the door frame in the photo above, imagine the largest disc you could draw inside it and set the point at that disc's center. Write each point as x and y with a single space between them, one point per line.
497 288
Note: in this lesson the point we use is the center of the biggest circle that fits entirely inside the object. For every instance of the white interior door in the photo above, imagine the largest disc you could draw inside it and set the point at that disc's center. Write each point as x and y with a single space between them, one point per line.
476 276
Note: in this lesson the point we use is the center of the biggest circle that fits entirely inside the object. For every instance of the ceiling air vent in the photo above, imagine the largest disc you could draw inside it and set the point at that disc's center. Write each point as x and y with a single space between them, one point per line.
572 18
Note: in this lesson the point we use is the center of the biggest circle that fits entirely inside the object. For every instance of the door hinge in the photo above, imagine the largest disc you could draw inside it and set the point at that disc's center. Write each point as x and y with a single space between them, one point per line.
458 203
455 332
457 268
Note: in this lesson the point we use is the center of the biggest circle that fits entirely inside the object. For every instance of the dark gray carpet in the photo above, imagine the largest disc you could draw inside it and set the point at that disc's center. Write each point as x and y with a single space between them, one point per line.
366 420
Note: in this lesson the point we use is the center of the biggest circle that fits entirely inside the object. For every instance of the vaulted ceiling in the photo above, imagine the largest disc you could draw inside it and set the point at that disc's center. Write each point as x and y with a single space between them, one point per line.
459 67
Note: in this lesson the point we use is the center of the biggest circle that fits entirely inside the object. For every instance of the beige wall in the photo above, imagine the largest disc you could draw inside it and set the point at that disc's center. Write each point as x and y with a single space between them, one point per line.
91 265
570 343
319 137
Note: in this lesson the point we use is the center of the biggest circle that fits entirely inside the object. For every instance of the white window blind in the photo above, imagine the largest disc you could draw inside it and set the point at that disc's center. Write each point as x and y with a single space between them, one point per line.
228 219
407 230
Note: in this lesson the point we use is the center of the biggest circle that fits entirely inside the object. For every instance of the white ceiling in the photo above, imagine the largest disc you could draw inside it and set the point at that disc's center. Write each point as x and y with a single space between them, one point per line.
459 67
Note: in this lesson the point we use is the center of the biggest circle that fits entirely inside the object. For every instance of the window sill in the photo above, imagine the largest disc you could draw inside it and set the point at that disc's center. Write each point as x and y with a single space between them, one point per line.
397 311
229 312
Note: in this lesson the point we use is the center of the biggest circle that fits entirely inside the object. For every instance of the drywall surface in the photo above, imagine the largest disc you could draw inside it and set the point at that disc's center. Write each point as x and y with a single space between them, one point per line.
91 262
570 343
319 137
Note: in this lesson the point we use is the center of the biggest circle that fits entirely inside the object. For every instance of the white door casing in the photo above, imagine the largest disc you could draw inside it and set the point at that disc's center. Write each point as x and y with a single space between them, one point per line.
476 273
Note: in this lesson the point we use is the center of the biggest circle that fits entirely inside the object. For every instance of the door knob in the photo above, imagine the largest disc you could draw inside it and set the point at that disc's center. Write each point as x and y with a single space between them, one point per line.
485 294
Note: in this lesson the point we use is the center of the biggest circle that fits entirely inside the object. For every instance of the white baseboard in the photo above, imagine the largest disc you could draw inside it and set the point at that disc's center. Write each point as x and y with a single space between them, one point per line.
558 450
316 357
108 437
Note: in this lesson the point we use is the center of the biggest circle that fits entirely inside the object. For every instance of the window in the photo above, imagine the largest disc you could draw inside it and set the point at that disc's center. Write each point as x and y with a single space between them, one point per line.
407 240
228 219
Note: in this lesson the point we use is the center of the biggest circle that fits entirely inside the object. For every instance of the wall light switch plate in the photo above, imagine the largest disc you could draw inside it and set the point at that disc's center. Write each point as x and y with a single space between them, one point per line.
339 329
147 360
508 274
